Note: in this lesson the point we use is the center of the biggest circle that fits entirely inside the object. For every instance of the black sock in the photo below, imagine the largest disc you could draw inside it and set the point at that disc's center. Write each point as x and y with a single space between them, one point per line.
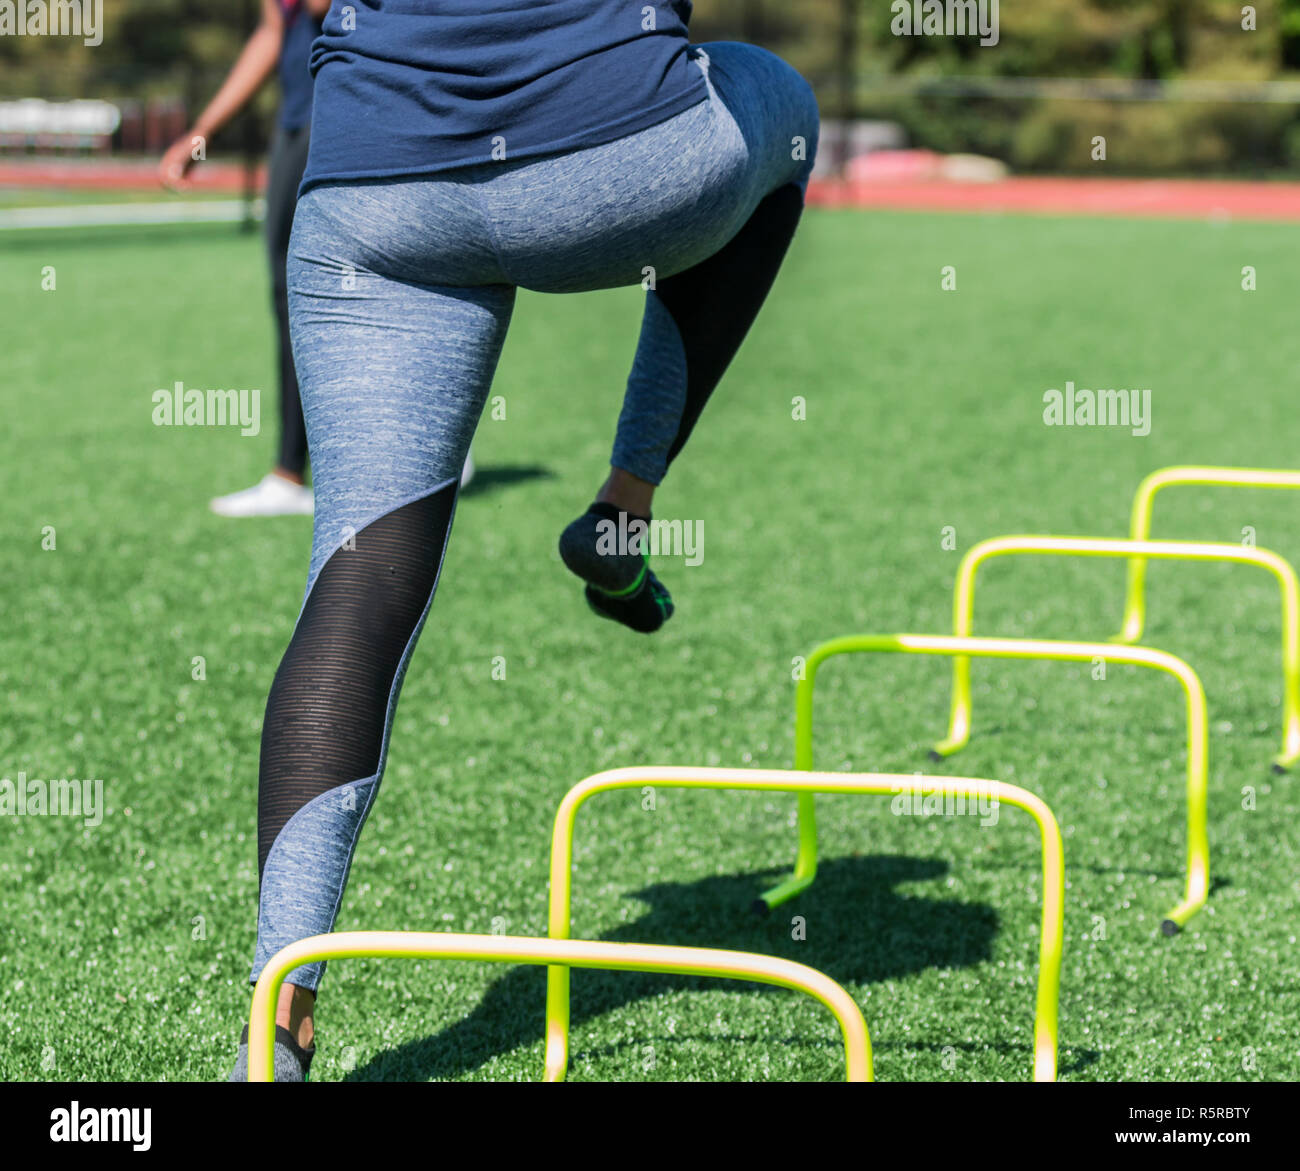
620 582
590 547
644 609
284 1040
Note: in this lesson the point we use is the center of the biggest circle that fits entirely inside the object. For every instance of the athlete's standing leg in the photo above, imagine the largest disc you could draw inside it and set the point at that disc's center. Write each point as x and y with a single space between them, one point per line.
394 368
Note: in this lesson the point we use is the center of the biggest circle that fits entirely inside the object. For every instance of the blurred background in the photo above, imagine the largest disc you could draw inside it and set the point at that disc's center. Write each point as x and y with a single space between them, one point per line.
1203 88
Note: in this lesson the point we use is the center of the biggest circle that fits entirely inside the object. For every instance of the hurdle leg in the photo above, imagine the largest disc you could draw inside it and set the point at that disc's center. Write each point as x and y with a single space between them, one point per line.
805 863
1134 604
1290 753
1139 530
959 716
1197 889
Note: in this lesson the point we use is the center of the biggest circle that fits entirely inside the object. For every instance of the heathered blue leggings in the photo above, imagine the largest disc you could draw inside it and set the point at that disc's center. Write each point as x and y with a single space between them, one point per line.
400 294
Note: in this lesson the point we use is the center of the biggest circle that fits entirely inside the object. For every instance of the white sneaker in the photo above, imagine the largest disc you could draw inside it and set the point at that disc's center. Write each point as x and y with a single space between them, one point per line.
272 495
467 472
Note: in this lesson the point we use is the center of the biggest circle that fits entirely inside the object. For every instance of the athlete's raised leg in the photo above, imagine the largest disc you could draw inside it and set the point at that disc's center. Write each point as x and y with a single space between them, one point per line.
765 120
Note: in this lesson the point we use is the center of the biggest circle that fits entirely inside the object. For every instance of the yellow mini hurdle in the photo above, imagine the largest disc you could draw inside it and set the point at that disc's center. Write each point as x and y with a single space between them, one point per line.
1198 749
806 784
507 949
1140 520
963 609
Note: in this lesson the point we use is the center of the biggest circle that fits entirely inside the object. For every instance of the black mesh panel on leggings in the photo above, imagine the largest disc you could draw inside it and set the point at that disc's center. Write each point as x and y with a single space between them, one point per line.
715 303
325 717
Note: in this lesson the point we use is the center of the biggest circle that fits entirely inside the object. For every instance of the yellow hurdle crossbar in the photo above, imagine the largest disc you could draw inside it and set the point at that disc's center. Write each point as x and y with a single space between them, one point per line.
509 949
806 784
963 609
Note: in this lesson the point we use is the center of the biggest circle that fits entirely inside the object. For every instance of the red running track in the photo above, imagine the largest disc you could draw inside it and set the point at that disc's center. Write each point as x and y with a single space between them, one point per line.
120 175
1168 198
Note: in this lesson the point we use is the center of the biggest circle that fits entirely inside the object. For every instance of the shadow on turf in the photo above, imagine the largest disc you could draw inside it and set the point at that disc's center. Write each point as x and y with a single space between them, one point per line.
860 930
489 479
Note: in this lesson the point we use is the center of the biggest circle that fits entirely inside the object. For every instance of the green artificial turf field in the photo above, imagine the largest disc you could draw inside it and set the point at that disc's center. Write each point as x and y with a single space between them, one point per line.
124 948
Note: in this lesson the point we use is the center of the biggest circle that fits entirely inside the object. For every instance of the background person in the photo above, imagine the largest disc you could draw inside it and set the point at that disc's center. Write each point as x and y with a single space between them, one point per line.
280 44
